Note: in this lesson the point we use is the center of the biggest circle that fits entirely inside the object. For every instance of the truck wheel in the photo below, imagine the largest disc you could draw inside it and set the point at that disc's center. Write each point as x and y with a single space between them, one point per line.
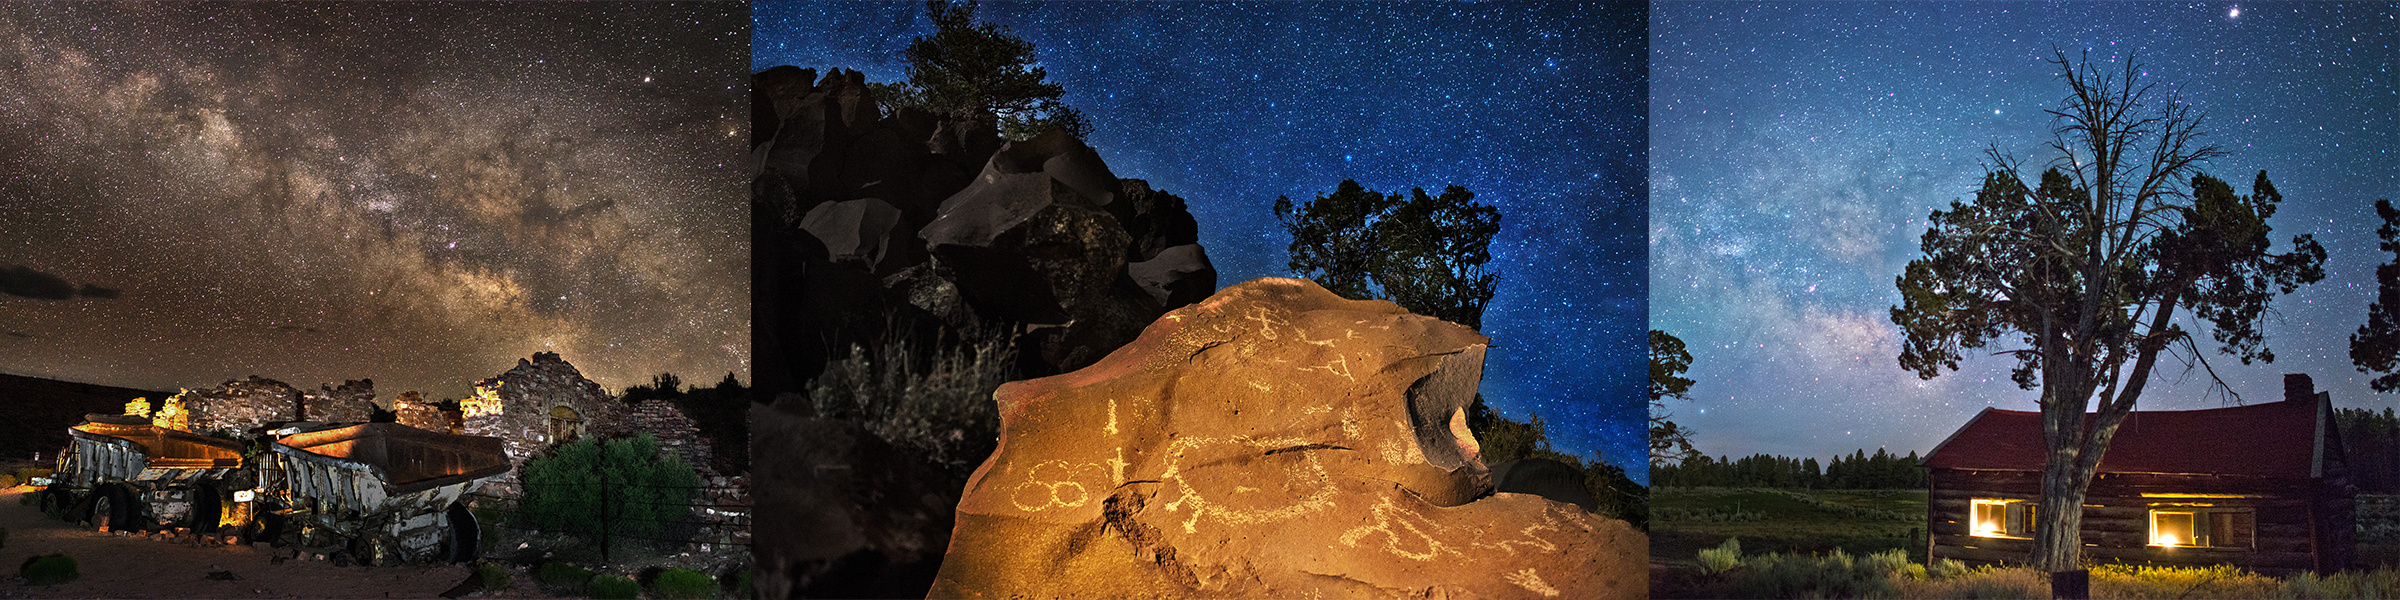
268 526
104 511
54 503
465 536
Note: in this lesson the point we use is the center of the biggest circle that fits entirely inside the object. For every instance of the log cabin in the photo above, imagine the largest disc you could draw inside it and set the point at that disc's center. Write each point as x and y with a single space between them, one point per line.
2262 487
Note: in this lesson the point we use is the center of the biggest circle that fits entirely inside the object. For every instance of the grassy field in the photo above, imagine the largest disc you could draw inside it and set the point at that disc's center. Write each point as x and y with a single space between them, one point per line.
1860 522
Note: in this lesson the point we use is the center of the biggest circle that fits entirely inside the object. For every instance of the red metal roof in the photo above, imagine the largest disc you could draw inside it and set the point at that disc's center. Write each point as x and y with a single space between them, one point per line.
2274 439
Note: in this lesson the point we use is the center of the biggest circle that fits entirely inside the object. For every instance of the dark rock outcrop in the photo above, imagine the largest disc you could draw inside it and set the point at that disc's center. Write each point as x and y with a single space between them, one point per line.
1274 440
865 221
1543 477
843 514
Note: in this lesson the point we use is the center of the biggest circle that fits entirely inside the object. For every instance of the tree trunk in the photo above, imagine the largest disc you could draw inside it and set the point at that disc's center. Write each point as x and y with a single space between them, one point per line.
2058 523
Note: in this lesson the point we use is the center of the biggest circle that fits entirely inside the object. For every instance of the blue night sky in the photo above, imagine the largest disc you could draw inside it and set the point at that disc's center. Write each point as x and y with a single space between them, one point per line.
1796 150
1537 108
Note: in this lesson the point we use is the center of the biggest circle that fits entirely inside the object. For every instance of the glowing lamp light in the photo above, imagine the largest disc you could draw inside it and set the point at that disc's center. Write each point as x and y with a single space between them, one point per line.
2163 539
1987 528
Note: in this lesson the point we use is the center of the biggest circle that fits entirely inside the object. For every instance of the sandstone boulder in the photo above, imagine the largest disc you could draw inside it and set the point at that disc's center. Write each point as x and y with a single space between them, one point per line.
1277 441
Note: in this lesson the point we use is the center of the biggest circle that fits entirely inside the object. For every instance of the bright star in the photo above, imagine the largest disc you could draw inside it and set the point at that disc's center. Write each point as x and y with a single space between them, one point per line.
2236 13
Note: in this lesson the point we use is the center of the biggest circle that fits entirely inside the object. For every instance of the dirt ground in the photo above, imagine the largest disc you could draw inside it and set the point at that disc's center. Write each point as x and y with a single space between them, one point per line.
115 566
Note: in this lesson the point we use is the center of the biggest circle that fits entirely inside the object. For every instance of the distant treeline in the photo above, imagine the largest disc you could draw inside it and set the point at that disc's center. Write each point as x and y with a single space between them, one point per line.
2373 442
1859 471
2371 438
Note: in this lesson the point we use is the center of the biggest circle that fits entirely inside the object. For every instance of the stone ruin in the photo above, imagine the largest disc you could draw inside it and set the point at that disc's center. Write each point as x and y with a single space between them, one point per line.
541 403
242 405
413 410
676 433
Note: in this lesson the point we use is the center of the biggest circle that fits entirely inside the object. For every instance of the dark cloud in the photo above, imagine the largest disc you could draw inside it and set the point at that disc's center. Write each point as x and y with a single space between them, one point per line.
93 291
21 280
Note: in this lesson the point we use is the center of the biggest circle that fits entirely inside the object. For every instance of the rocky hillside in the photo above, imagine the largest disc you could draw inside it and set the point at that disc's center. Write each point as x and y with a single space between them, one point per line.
865 222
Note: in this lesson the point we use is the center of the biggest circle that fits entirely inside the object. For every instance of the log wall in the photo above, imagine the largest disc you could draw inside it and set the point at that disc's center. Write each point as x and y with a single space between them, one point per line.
2116 519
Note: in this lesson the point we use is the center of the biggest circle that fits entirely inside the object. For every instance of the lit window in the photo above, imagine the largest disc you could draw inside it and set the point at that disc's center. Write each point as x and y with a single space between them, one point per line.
2203 527
2003 518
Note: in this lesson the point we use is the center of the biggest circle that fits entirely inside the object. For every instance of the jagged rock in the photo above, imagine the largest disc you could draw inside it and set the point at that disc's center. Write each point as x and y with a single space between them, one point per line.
1177 276
1546 478
844 514
541 403
1028 245
1157 221
857 231
352 402
925 291
1278 441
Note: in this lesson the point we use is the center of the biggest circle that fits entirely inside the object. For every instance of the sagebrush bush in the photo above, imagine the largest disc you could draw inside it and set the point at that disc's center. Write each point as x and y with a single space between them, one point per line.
2379 583
645 489
1833 575
48 569
1722 558
492 576
8 481
938 403
615 587
562 577
683 584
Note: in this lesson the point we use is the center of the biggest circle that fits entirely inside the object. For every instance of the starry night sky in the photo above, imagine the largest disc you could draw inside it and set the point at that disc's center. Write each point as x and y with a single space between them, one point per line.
415 193
1536 108
1796 150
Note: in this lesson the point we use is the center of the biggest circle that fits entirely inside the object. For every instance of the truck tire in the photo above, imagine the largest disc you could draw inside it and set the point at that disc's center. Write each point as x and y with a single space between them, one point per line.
107 511
465 536
207 509
55 503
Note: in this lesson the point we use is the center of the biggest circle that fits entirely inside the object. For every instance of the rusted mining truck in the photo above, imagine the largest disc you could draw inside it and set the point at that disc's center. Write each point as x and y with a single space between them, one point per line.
386 492
125 473
377 493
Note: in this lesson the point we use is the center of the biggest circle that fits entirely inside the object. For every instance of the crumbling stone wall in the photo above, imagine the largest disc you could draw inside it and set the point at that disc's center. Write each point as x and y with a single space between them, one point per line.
676 433
352 402
518 407
235 407
414 411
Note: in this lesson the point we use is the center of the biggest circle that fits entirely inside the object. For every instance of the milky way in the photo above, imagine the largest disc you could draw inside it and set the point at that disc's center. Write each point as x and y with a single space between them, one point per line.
415 193
1798 148
1536 108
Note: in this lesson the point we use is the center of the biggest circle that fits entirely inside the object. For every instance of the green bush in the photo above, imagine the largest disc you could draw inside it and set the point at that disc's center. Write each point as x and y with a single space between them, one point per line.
562 577
48 569
28 473
737 584
493 576
1722 558
2379 583
683 584
1832 575
939 403
615 587
645 489
8 481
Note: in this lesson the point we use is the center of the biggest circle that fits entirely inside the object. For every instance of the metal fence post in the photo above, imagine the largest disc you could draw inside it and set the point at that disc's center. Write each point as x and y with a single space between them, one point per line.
604 516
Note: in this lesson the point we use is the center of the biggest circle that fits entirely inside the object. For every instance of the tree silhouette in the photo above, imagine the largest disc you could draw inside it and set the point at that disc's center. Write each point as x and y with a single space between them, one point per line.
1669 442
2090 270
2376 346
982 71
1424 253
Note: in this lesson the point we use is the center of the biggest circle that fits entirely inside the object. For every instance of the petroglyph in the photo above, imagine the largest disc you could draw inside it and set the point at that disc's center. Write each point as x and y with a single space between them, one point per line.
1419 533
1203 507
1063 487
1111 429
1339 366
1527 536
1532 582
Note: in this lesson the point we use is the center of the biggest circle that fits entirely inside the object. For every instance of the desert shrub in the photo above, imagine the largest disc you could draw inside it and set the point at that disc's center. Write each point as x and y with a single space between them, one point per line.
2134 582
1722 558
8 481
683 584
1946 568
1956 580
2379 583
562 577
937 403
492 576
48 569
28 473
615 587
1706 515
737 584
1831 575
644 489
